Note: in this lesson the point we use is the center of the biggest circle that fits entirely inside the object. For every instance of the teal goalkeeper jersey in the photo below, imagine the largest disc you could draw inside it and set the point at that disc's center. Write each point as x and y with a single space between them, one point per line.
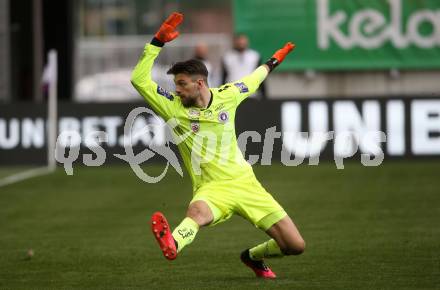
205 137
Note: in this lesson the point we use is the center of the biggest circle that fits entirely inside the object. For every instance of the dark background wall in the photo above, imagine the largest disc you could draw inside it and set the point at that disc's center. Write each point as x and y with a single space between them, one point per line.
57 33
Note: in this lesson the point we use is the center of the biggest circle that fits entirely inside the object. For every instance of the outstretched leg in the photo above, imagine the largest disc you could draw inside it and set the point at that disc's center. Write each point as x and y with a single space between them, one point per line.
198 214
286 240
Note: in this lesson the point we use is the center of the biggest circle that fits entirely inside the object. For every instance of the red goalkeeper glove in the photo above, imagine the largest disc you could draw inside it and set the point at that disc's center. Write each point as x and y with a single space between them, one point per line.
280 55
167 31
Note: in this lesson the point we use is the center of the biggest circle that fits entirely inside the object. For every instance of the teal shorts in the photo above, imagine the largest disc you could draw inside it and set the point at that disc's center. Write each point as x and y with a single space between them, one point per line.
245 197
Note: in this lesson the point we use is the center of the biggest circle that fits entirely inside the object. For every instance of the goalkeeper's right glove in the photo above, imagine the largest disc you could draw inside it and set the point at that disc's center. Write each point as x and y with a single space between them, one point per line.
280 55
167 31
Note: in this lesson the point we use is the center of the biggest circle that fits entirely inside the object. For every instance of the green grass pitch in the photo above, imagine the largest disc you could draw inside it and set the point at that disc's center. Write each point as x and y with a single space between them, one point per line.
365 228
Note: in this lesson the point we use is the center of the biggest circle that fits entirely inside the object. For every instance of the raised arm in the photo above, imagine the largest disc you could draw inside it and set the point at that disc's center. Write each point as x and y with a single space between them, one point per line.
250 83
160 100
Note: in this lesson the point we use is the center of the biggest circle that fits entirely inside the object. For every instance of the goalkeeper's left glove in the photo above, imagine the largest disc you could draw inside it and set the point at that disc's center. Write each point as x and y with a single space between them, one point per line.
167 31
280 55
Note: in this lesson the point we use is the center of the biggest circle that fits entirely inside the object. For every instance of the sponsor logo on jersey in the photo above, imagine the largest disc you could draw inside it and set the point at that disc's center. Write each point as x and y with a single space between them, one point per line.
224 88
193 113
223 117
207 114
242 87
219 107
195 127
165 93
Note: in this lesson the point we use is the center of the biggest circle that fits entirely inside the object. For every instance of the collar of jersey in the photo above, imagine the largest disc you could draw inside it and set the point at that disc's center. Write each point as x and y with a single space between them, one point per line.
210 102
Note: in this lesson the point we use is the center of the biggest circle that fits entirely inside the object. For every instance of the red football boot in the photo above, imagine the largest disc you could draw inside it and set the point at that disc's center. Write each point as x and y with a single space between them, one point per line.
162 233
259 267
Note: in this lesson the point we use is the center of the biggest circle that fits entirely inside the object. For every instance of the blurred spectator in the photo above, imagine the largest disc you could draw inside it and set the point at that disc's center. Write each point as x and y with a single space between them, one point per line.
241 61
201 52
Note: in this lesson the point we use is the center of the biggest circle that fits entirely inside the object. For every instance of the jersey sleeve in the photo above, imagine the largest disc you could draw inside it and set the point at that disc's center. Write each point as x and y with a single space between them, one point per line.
160 100
249 84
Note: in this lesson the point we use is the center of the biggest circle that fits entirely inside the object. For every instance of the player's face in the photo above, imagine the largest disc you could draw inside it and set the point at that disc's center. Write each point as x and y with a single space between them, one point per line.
188 88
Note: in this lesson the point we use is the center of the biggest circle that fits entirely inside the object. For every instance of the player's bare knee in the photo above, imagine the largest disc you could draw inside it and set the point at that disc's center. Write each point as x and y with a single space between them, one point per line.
200 216
195 213
294 248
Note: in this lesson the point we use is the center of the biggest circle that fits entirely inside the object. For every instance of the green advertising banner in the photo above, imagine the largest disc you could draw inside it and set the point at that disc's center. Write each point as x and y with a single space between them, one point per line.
345 34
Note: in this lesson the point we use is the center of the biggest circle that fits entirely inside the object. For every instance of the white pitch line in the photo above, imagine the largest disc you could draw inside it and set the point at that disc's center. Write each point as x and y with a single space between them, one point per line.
25 175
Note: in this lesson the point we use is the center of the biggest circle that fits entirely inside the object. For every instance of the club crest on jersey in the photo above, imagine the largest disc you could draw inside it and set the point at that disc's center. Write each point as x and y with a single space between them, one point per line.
164 93
195 127
223 117
193 113
242 87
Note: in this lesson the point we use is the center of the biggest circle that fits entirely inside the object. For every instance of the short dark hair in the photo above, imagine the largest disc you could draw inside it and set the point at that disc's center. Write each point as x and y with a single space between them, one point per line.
239 34
190 67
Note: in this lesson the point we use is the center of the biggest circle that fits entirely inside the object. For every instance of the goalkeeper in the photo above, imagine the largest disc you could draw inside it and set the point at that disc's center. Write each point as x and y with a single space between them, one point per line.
223 182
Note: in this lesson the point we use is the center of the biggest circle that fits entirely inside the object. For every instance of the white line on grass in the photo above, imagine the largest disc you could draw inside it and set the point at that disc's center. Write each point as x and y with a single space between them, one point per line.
25 175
